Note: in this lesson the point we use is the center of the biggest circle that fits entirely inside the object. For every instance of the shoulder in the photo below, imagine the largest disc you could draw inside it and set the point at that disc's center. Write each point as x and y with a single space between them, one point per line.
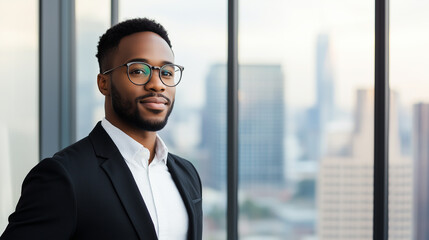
82 147
76 156
61 162
73 162
97 143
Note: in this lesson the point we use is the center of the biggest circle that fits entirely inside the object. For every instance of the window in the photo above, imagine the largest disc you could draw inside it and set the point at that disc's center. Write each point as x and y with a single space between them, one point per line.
19 120
409 120
90 25
306 119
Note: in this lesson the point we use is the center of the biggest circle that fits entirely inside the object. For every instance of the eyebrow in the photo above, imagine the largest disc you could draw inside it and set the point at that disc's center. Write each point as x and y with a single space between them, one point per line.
146 61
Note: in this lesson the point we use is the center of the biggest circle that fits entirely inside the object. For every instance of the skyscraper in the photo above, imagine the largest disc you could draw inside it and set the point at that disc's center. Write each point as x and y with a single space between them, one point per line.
313 134
421 168
261 121
345 183
214 127
324 78
312 130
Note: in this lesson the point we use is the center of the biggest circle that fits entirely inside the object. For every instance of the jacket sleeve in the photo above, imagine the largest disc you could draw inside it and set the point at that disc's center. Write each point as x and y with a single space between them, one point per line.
46 208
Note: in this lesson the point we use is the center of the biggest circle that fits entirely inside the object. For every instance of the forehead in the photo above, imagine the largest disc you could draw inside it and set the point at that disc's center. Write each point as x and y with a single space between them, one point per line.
143 45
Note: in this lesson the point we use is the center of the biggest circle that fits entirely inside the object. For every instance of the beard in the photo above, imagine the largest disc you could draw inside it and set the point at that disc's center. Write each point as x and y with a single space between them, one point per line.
128 111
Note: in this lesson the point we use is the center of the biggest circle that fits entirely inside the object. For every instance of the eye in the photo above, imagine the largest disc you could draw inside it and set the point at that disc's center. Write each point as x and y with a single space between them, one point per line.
139 71
166 73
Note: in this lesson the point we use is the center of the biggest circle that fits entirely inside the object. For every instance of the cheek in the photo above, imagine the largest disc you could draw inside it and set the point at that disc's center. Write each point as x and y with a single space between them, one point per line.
127 89
172 93
124 94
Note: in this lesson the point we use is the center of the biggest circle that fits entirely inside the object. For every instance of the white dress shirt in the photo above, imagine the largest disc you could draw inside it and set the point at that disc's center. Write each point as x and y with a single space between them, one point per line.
159 192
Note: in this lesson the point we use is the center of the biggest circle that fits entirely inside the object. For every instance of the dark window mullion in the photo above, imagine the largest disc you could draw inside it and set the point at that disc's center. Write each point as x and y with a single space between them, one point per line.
67 71
232 122
381 121
56 75
114 12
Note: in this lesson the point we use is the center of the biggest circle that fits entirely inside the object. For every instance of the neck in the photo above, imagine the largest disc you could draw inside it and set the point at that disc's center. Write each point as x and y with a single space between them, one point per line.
145 138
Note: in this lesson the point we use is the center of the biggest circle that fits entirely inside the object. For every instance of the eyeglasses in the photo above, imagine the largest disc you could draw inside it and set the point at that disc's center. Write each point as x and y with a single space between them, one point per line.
140 73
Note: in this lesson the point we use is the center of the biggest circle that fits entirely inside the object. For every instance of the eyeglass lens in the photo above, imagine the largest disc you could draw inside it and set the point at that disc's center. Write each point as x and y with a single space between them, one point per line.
139 73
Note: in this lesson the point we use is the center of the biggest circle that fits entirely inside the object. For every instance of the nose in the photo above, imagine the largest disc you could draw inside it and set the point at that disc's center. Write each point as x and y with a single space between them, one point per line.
155 84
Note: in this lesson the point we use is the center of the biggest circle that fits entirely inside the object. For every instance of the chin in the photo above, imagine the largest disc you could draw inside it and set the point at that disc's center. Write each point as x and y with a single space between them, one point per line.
151 117
152 126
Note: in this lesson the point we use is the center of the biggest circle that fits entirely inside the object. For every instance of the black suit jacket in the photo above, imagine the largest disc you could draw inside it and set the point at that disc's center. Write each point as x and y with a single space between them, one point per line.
87 191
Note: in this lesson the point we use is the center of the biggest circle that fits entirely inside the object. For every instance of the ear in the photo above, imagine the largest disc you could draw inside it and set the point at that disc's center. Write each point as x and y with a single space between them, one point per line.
103 83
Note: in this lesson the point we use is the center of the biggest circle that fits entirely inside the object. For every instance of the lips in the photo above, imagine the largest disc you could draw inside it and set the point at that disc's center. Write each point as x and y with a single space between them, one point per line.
159 100
155 103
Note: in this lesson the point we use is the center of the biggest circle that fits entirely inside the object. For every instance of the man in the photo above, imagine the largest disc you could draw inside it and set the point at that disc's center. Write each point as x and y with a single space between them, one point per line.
120 182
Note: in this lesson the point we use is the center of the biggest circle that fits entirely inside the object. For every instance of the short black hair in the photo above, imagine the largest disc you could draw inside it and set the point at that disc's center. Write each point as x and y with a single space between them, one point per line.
110 40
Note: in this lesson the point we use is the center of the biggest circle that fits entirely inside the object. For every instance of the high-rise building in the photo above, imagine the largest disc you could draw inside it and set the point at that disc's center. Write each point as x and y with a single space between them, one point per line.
421 167
312 129
214 127
325 79
345 184
323 111
261 121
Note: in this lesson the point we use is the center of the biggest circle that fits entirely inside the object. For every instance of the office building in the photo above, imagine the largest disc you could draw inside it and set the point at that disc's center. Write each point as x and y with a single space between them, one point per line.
261 121
421 168
345 184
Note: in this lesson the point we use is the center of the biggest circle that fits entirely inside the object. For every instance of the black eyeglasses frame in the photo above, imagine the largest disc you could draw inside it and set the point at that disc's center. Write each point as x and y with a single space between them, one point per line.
152 68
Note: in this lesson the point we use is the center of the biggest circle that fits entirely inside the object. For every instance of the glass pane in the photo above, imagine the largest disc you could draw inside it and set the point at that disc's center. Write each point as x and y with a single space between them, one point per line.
197 126
306 119
19 99
409 120
92 20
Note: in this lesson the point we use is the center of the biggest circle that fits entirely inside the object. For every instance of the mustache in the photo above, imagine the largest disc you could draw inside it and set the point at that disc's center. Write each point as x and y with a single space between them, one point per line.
153 95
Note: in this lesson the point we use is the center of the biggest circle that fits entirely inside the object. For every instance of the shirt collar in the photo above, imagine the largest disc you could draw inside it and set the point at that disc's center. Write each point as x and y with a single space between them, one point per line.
132 151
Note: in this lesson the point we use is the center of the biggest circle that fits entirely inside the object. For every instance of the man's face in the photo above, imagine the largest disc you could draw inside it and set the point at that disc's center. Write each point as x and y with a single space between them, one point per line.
144 107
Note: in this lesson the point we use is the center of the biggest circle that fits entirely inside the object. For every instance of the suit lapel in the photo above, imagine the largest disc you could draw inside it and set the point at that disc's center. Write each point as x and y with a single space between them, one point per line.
177 175
123 183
